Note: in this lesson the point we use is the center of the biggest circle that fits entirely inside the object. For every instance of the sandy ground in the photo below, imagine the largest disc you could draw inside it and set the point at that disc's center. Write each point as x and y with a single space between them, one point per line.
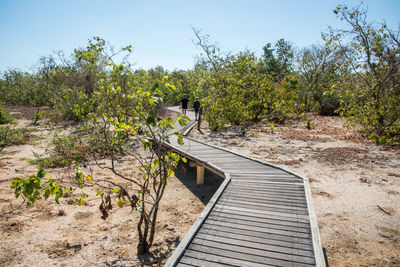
355 187
355 184
69 235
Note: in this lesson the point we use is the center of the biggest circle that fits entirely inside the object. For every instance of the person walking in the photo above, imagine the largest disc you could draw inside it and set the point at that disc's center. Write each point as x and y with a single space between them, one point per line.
196 106
184 104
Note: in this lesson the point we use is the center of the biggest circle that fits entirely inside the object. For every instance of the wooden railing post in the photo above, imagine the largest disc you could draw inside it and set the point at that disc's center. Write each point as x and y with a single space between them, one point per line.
200 174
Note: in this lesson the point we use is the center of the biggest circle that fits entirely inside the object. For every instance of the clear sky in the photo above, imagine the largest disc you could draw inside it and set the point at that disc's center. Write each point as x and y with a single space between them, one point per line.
160 31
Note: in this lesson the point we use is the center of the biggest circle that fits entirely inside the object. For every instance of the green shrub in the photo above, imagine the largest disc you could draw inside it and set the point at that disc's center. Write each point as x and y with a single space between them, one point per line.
329 105
65 149
14 136
72 104
4 116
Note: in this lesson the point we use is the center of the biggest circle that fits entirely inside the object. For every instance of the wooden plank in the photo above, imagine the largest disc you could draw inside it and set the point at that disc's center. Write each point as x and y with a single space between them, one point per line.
237 165
241 221
229 157
248 254
263 207
266 191
270 214
270 218
260 184
201 151
197 261
264 200
268 232
292 180
249 172
261 187
187 142
275 198
249 248
254 245
253 237
266 173
271 180
270 185
263 175
265 220
253 203
210 158
227 206
216 259
244 193
241 167
319 254
180 264
217 157
267 198
266 181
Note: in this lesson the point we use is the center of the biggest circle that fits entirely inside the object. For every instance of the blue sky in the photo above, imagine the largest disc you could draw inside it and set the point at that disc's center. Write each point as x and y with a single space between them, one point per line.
160 31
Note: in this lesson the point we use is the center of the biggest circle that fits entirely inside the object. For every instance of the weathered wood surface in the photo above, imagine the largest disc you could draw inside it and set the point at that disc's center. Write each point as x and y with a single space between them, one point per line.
260 215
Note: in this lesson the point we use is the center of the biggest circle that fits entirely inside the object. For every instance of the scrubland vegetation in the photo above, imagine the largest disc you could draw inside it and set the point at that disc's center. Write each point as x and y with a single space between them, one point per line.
115 108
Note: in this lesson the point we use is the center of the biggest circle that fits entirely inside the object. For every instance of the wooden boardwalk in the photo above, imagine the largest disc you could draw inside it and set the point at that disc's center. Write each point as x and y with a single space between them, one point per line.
260 216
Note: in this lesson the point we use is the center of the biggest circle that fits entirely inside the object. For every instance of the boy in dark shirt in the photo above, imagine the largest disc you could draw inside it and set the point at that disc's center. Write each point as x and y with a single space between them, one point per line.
184 104
196 106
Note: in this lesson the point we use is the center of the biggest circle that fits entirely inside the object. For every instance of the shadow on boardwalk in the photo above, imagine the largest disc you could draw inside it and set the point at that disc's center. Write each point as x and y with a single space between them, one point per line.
204 192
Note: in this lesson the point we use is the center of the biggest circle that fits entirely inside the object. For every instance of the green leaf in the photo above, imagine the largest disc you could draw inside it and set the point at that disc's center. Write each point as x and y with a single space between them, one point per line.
151 120
41 173
115 190
119 203
180 138
151 101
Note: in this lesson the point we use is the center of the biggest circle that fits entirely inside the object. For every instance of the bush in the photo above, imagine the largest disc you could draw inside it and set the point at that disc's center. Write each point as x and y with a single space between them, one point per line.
65 149
4 116
14 136
329 105
72 104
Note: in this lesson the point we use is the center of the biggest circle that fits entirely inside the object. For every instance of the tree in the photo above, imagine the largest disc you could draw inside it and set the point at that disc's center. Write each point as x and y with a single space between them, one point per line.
279 60
320 68
21 88
124 122
372 52
237 89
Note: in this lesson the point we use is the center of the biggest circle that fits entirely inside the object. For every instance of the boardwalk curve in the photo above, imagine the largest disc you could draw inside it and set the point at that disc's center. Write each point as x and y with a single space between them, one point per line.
261 215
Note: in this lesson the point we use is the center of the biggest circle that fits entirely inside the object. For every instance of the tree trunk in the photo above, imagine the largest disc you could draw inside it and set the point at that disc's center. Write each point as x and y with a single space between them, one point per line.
143 247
